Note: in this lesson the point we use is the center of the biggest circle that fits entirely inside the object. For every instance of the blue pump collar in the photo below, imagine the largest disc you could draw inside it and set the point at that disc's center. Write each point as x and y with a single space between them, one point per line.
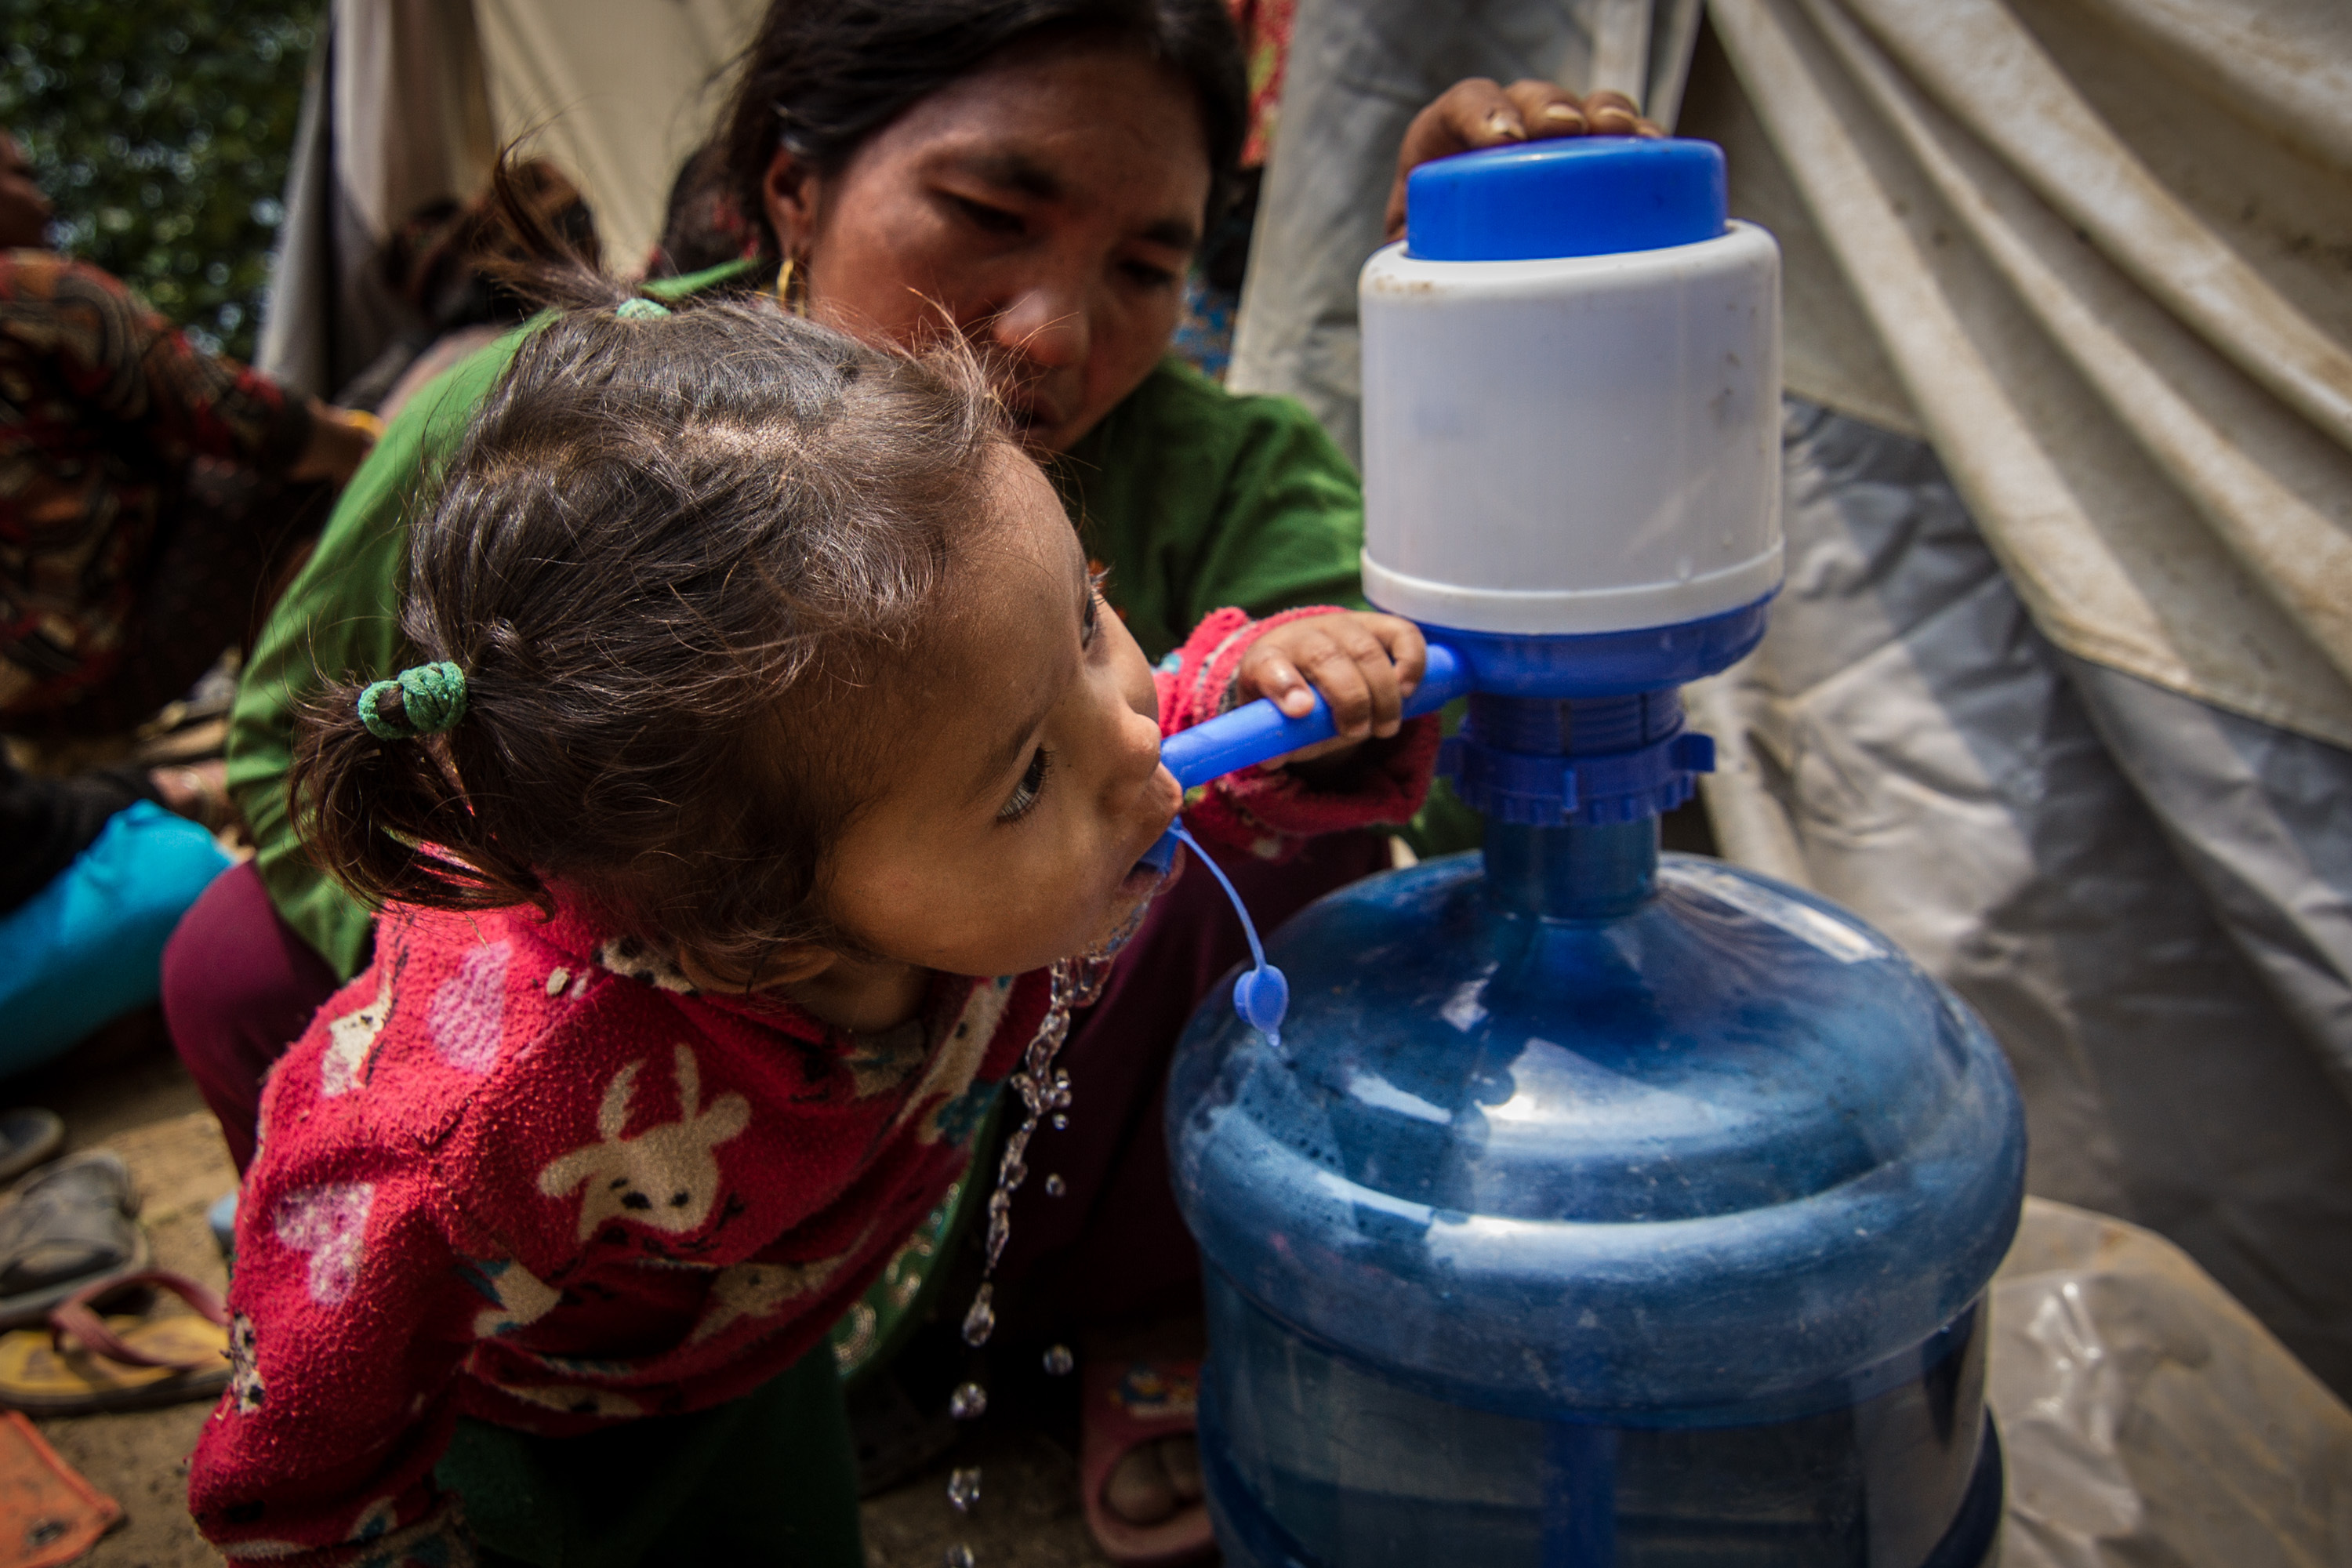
1605 664
1587 195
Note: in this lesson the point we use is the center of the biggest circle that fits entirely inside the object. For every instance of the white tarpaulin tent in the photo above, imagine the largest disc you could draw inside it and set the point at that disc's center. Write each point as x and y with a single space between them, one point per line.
2102 263
410 101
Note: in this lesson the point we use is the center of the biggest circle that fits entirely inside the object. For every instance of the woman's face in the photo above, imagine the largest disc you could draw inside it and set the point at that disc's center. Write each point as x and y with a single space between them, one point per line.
1047 206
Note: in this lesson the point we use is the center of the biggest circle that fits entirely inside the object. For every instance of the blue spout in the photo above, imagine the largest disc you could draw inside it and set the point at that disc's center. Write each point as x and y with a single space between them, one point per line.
1259 731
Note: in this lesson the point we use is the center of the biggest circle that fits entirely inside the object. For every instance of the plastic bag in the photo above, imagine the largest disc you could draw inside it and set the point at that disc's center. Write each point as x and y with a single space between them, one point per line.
2147 1418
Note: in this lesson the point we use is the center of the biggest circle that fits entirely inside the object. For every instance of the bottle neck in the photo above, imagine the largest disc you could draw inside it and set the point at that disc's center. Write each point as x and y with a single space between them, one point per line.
1574 872
1571 789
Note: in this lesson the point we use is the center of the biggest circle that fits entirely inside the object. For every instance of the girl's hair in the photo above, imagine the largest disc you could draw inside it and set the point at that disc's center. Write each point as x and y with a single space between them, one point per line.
671 556
822 76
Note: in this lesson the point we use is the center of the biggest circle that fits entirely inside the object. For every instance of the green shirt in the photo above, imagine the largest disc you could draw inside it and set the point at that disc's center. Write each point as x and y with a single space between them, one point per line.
1194 498
1197 499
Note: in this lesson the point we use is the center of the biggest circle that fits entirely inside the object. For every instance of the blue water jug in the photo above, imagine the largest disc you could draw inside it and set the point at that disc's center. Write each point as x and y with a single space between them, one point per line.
1593 1207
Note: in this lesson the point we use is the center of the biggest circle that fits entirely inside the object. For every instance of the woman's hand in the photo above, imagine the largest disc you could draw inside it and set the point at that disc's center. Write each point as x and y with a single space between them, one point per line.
1364 664
1479 113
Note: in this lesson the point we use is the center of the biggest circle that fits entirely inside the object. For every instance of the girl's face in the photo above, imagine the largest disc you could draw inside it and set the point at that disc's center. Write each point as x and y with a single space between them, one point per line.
1028 782
1047 206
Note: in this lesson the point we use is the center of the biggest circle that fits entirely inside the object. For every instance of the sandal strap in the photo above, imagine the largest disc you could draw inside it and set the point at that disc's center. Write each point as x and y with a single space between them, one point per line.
76 1319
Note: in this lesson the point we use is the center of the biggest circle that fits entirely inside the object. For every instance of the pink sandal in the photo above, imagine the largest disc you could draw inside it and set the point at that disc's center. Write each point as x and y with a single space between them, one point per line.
1131 1400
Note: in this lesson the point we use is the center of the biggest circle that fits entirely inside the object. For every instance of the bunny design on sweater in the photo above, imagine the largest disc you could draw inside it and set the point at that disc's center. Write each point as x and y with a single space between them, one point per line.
667 1175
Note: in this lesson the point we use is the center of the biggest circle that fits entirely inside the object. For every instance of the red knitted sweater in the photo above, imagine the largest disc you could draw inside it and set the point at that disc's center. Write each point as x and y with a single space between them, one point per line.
520 1170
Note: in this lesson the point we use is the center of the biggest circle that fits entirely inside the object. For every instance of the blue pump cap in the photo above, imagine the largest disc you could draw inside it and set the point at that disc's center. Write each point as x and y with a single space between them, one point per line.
1585 195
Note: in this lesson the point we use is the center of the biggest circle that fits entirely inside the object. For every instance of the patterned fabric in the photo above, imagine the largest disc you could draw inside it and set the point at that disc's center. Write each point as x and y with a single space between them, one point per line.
1204 336
520 1170
1265 26
102 405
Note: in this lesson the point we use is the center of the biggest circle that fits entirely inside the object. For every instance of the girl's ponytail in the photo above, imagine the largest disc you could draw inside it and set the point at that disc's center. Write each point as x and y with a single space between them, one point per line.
375 798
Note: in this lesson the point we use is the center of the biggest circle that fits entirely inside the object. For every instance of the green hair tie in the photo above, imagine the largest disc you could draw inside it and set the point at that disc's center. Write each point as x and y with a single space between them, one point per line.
640 310
431 701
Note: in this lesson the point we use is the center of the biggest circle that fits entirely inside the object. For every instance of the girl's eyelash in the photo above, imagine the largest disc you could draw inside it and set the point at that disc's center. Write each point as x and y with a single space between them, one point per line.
1092 615
1033 781
1032 785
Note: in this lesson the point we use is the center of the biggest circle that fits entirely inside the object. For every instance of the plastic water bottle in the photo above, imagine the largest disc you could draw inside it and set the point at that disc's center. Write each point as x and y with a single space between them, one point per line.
1600 1207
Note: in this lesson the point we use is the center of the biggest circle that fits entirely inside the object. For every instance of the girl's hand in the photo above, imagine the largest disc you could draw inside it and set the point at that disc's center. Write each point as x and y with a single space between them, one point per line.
1364 664
1480 113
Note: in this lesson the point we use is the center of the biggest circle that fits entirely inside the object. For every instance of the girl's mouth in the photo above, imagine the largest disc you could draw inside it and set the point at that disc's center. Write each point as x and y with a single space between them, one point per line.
1134 898
1145 880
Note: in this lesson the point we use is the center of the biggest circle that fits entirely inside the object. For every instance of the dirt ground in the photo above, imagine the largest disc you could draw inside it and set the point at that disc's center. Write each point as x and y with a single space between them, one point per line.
133 1098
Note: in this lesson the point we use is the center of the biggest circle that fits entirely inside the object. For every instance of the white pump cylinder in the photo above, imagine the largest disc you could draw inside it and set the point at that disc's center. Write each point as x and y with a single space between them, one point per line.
1574 444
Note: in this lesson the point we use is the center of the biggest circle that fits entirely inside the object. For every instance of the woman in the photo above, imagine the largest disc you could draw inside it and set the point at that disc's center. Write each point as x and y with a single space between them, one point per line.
1032 174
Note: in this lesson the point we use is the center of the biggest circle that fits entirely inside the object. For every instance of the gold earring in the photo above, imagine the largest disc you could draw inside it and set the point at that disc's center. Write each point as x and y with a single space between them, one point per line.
785 290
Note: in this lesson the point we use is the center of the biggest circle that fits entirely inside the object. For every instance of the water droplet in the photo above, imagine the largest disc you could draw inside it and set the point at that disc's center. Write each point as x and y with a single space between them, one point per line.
968 1402
963 1488
980 1321
1061 1123
1055 1186
1060 1361
1000 1225
959 1556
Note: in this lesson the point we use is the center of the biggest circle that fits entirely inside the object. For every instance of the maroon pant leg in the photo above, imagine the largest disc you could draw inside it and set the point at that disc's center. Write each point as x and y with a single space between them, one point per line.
1114 1246
239 986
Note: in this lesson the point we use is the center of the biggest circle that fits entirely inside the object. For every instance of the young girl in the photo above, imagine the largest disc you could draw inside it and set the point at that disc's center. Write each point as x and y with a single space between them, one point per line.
773 752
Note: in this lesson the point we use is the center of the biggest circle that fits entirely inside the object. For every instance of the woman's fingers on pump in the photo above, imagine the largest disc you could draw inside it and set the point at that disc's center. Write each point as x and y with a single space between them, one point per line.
1473 112
1479 112
1611 113
1546 108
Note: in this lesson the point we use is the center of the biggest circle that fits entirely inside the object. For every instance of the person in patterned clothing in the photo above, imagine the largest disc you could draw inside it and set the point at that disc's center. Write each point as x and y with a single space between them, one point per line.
124 573
773 784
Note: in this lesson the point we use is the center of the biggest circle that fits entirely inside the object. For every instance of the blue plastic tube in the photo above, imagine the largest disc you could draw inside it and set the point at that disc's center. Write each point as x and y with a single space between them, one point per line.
1256 732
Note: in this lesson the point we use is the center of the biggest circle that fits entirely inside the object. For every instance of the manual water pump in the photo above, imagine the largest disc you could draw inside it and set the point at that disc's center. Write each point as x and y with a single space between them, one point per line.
1595 1206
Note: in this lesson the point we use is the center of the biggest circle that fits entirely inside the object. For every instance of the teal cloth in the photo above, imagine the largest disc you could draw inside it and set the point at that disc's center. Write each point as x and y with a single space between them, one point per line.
89 946
769 1478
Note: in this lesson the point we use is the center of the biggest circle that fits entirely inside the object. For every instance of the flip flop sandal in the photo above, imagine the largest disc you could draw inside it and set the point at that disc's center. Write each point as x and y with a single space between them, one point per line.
1131 1401
27 1137
70 1227
86 1363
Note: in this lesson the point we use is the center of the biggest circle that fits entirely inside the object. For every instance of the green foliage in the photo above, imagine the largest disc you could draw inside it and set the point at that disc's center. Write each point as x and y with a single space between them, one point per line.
161 129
